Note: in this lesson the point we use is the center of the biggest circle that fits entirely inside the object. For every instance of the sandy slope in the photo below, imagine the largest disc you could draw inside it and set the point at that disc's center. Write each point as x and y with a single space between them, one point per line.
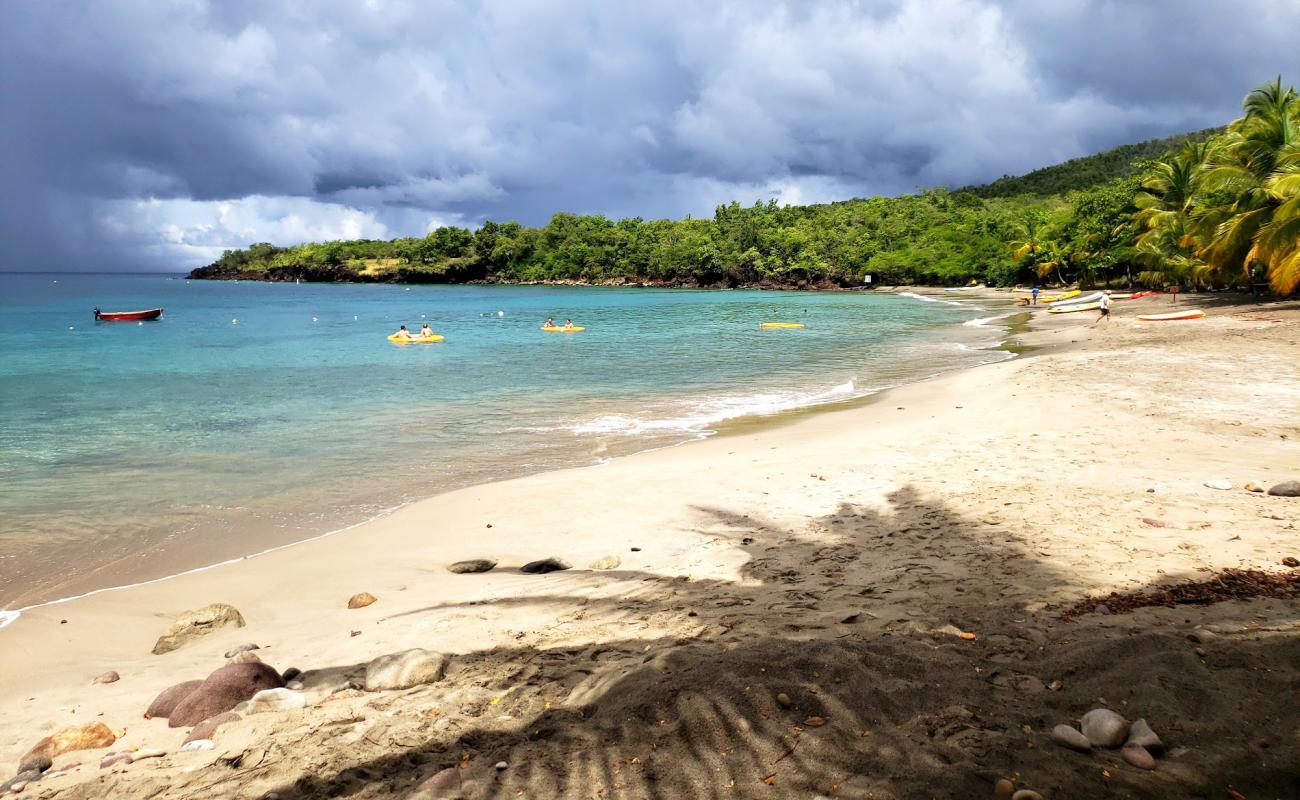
833 557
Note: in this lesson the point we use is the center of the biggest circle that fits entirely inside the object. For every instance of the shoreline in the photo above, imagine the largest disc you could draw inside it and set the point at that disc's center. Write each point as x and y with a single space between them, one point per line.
748 422
834 556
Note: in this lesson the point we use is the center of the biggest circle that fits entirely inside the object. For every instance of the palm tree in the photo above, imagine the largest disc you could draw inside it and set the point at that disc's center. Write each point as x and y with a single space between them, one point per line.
1256 166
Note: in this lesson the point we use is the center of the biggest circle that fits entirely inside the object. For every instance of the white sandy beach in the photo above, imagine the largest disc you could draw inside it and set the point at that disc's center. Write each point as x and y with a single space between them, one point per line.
832 556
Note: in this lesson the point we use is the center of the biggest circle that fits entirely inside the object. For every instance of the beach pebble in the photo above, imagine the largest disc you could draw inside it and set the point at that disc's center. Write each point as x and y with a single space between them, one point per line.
440 782
1291 561
19 782
500 765
1254 486
1026 794
276 700
208 727
36 762
783 699
243 648
1104 728
1067 736
814 722
78 737
1219 483
404 670
113 759
361 600
473 565
1004 789
1200 636
148 752
1141 735
224 689
198 745
545 565
608 562
1286 489
244 657
196 623
1138 756
108 677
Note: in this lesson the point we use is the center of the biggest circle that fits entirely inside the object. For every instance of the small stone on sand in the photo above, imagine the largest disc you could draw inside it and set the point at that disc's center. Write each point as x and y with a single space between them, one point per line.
1286 489
1219 484
269 700
198 745
196 623
783 699
473 565
1138 756
108 677
234 651
1026 794
1067 736
361 600
113 759
208 727
404 670
1141 735
1104 728
244 657
608 562
1254 486
1291 561
1004 789
545 565
814 722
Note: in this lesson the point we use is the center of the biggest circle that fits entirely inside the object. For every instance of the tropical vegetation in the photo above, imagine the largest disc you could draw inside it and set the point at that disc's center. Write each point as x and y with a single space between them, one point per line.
1219 207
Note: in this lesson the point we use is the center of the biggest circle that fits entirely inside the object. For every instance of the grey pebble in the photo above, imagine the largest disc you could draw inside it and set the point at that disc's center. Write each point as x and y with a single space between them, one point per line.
1104 728
1066 736
243 648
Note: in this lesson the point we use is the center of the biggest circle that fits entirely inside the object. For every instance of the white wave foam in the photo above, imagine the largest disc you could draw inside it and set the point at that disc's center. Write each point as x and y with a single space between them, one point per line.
982 322
702 416
916 296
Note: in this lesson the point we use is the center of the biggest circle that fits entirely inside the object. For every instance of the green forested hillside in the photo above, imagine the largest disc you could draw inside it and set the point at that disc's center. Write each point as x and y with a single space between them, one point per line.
1078 173
1219 207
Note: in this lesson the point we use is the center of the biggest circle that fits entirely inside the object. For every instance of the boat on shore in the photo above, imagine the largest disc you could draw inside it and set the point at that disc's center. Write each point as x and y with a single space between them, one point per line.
127 316
1191 313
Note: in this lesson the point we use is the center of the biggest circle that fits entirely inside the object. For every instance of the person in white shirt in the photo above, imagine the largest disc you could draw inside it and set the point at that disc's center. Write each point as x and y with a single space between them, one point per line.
1104 306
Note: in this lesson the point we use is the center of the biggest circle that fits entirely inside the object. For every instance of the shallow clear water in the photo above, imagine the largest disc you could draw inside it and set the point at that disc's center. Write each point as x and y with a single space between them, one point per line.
256 414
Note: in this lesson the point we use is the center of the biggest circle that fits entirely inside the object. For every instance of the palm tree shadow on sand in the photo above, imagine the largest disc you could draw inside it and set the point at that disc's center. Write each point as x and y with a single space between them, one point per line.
836 667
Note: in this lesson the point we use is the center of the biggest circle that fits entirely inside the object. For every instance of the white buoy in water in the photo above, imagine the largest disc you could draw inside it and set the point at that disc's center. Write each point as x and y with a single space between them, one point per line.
422 316
501 313
70 328
139 323
354 317
408 288
313 319
234 322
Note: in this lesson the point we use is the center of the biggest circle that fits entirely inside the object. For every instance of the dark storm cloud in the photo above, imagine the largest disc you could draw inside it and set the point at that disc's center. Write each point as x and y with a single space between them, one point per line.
152 135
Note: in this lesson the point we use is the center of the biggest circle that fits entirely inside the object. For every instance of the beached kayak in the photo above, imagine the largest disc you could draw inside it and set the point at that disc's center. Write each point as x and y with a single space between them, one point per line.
1171 316
1074 301
1058 297
562 329
414 339
1076 307
781 325
1137 295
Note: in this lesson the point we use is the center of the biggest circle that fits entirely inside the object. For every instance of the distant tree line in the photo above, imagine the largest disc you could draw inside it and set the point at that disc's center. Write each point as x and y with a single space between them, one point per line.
1216 207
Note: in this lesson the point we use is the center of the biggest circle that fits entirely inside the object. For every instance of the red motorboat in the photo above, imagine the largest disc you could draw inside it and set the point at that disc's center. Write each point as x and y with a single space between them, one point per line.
127 316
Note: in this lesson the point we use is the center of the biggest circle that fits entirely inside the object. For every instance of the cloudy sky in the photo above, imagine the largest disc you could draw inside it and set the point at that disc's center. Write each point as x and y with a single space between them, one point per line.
152 134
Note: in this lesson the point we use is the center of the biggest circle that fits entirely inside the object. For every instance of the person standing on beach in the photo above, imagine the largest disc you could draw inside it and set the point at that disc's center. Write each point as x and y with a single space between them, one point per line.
1035 294
1104 305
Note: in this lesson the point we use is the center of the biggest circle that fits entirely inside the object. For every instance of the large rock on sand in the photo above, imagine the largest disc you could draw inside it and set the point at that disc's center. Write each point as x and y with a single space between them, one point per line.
80 737
404 670
163 705
223 690
545 565
196 623
1286 489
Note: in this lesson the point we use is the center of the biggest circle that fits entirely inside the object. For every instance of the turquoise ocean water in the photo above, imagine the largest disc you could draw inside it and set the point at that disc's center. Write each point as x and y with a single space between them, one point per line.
254 414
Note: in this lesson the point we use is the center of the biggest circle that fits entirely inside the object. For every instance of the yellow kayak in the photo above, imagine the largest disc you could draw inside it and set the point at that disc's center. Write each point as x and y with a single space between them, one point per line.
781 325
1073 308
562 329
1057 297
414 339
